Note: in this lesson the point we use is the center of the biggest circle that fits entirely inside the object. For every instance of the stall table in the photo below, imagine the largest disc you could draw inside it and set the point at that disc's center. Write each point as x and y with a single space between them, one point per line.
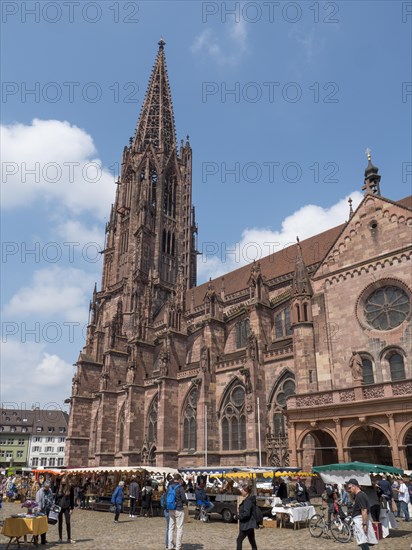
296 514
15 528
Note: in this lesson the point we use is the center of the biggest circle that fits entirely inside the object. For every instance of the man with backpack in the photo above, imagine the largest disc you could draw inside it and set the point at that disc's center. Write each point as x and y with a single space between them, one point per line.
329 497
175 500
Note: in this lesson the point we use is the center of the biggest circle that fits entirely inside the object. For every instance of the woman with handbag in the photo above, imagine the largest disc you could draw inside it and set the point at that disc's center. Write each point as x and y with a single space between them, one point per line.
65 499
117 501
247 518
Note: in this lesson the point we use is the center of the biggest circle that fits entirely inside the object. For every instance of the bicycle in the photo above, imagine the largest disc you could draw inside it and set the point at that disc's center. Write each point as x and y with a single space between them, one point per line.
339 528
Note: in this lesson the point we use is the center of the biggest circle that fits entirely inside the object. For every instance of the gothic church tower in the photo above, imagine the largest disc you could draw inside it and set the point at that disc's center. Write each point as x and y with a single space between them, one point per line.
149 263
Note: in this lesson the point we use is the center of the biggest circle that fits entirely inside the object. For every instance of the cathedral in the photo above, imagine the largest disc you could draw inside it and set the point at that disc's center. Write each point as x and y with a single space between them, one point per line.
300 359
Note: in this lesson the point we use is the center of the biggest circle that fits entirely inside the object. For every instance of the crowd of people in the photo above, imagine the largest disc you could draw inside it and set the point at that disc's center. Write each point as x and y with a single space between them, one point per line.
66 492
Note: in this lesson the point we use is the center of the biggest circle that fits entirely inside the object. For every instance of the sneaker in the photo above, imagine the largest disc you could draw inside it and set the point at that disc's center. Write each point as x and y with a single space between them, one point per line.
116 521
71 541
60 541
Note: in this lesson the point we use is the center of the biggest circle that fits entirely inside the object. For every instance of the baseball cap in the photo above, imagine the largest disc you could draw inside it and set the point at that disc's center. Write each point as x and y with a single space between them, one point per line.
353 481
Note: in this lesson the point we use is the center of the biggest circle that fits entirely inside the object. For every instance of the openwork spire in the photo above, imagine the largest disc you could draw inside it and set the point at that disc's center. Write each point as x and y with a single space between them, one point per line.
156 122
301 281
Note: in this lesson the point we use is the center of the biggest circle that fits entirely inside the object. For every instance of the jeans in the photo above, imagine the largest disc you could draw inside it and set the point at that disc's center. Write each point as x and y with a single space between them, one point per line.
117 512
405 510
250 534
176 519
132 506
167 516
66 513
398 506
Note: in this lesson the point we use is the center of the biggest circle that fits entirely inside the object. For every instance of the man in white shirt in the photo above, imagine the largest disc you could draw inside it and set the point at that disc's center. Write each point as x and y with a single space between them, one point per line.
404 497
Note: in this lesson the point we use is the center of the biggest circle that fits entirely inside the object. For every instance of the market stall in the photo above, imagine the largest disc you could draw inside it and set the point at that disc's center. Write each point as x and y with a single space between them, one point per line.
362 472
96 485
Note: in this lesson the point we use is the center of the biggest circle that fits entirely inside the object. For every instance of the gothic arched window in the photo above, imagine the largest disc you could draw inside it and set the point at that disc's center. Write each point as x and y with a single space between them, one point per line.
387 307
284 388
367 371
152 422
242 333
397 366
234 420
153 187
189 421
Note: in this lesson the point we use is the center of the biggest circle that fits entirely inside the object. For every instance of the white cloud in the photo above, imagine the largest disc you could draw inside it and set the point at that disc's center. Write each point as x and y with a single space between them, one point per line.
224 50
66 171
74 231
257 242
27 370
54 293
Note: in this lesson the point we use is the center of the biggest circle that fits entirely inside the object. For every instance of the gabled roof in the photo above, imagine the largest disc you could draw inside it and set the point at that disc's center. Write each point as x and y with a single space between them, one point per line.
314 250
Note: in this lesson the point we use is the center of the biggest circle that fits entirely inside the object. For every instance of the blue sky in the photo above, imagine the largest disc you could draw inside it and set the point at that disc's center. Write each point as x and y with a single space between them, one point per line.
313 84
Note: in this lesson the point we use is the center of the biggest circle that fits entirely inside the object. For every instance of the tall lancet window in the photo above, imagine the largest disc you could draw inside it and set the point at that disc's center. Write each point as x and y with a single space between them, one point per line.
153 187
189 421
169 194
234 420
152 422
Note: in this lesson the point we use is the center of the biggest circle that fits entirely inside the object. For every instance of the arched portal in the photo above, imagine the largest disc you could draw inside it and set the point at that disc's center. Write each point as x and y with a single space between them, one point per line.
408 448
369 444
319 448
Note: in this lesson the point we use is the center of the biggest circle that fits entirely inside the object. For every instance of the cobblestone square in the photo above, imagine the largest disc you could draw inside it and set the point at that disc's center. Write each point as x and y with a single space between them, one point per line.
97 531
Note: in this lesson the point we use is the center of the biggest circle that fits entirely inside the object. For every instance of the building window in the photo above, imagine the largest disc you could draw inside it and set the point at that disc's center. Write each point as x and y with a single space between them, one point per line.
43 462
52 462
24 430
279 424
152 422
36 449
61 439
37 439
39 429
50 429
2 454
397 367
13 429
50 439
34 462
10 442
60 449
62 430
387 307
234 420
9 454
282 324
49 449
60 461
19 454
367 370
189 421
242 333
21 442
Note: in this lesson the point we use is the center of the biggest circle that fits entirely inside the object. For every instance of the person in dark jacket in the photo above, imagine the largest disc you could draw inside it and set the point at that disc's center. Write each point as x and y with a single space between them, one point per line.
134 496
247 519
282 492
65 499
117 500
147 494
176 516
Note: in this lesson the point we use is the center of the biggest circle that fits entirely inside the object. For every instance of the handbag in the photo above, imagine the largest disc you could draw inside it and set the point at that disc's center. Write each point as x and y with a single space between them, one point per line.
53 514
112 508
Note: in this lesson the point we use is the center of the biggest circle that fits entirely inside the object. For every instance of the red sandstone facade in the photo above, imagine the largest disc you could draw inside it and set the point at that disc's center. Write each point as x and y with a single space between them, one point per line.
318 334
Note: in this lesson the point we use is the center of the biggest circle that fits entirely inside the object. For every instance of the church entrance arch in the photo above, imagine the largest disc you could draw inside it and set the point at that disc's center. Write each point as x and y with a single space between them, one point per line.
408 449
318 448
369 444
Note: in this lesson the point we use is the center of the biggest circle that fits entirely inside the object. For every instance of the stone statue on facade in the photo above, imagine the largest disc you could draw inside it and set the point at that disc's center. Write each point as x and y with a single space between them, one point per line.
75 385
131 373
355 364
164 363
204 359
